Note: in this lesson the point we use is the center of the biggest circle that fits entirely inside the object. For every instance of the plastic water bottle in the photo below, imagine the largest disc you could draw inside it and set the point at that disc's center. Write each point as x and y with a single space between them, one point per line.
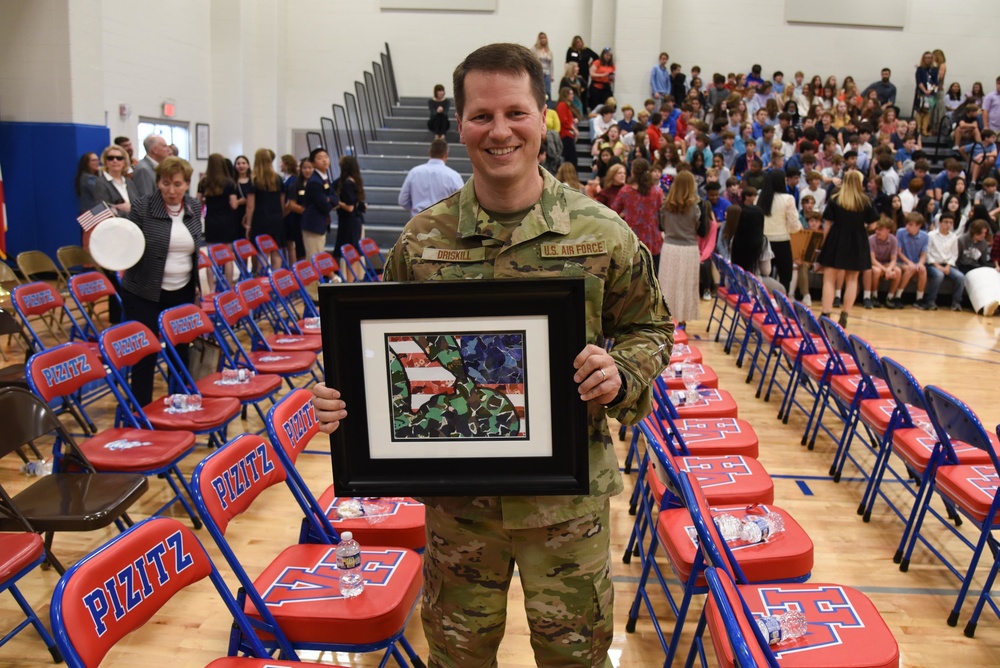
750 529
779 628
349 563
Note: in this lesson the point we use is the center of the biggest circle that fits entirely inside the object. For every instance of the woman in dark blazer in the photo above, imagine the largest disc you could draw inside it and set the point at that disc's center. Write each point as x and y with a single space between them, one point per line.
167 273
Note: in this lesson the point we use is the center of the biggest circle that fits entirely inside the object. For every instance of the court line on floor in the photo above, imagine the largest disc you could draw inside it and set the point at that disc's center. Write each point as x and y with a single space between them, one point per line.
903 591
940 336
937 354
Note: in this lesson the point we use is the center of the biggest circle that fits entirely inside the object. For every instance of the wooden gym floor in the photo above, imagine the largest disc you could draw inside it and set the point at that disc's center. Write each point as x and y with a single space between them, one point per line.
957 351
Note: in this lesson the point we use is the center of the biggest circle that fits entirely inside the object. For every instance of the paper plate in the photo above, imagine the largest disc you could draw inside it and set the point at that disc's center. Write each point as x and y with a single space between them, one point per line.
117 244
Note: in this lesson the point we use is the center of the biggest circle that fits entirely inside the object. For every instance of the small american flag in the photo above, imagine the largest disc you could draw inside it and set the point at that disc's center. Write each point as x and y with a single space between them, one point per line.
89 219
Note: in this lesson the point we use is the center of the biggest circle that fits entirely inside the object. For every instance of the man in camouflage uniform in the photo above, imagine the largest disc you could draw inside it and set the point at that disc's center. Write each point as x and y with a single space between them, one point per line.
514 220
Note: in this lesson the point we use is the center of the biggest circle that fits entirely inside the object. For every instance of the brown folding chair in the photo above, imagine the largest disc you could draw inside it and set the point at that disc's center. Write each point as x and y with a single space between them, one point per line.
8 281
61 501
75 260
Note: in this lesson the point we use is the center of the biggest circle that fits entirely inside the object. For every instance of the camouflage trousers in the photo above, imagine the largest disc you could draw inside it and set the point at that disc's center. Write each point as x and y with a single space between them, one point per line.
565 571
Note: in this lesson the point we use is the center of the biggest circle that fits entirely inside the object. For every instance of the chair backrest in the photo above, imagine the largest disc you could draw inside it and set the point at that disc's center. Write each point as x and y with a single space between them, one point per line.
226 482
305 272
244 249
787 311
203 261
810 325
839 343
185 323
36 299
9 278
291 423
74 259
35 264
905 389
252 293
11 326
221 255
91 286
954 421
741 631
230 307
64 369
374 256
25 417
350 253
120 586
326 265
125 344
283 282
267 245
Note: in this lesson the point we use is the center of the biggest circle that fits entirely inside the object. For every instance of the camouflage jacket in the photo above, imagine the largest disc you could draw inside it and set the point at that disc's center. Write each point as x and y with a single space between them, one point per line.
564 234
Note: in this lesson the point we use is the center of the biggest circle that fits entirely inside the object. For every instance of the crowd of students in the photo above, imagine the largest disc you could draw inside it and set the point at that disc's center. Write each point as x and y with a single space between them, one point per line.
735 134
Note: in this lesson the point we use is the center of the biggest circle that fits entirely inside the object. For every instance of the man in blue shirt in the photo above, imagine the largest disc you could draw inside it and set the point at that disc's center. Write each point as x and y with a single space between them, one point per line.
670 116
912 258
659 78
431 182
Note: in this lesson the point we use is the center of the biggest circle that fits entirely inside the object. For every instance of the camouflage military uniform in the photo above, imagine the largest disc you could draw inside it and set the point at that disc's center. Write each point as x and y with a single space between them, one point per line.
560 543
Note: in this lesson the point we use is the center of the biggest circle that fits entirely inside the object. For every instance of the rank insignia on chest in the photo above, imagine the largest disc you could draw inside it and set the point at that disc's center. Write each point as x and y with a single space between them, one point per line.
574 249
454 254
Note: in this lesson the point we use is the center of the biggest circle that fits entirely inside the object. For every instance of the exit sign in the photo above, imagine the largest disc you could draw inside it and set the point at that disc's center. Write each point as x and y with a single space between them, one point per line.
168 109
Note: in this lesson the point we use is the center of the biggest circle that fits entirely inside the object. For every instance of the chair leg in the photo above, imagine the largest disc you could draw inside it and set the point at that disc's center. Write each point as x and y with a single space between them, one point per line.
984 538
32 617
970 628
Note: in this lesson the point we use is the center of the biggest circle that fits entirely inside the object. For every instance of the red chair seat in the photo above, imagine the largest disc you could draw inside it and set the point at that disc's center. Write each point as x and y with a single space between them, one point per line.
693 355
258 387
787 555
288 361
713 403
814 365
722 291
972 488
728 480
302 590
876 413
732 298
707 378
719 436
915 447
302 325
846 386
680 336
790 347
845 628
136 450
242 662
17 550
404 519
297 342
215 412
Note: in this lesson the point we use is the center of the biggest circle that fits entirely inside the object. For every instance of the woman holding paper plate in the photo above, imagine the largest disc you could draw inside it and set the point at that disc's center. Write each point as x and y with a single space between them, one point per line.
160 257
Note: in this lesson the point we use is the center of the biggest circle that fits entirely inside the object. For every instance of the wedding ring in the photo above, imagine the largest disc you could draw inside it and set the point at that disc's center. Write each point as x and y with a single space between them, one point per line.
604 375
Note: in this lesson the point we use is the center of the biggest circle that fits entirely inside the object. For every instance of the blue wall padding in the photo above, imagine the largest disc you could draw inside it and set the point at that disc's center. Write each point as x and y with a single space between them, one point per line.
39 163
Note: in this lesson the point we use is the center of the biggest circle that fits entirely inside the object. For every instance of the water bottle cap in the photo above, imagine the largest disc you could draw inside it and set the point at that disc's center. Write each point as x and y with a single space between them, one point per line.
347 535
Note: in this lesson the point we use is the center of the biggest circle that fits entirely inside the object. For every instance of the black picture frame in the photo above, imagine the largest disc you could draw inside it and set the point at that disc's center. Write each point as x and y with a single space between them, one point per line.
355 315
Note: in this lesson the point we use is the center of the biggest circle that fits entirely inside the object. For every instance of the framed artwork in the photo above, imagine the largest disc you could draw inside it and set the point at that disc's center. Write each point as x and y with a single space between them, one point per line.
457 388
202 141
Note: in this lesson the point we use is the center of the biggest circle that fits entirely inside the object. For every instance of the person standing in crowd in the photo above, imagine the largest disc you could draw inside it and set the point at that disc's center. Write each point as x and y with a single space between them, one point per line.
846 250
430 182
244 187
659 78
351 207
939 110
144 174
639 205
217 194
583 56
85 183
571 79
991 109
925 96
289 169
320 200
266 203
167 273
439 105
126 143
780 221
544 55
295 197
682 223
602 79
506 212
289 179
884 89
568 131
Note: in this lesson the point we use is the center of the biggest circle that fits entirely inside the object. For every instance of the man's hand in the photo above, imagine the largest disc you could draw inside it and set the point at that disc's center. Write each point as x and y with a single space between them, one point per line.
330 410
596 374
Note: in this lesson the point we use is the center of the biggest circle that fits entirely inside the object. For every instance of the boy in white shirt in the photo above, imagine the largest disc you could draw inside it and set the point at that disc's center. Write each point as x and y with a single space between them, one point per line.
814 187
942 254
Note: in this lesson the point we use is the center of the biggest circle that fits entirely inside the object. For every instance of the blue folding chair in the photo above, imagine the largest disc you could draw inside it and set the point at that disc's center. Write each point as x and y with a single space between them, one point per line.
789 354
770 328
295 602
399 522
86 290
351 257
374 261
327 267
118 587
971 488
720 302
266 245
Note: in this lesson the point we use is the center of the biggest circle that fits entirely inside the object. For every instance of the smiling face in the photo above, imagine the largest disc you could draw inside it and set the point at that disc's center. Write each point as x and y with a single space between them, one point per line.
242 166
501 127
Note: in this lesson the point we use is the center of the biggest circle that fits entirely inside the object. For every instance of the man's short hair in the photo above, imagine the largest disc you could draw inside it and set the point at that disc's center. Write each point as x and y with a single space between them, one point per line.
777 74
122 140
664 54
914 217
921 164
808 160
952 165
990 181
718 78
439 149
316 151
649 101
792 172
732 181
512 59
886 69
150 140
807 146
727 135
713 187
947 215
850 154
813 176
886 223
988 133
